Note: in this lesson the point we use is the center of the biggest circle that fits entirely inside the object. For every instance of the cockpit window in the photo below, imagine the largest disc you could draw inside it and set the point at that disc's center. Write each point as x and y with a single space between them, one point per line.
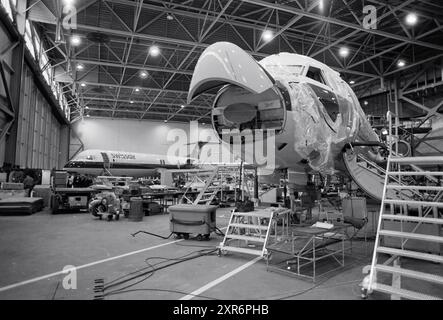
288 70
316 74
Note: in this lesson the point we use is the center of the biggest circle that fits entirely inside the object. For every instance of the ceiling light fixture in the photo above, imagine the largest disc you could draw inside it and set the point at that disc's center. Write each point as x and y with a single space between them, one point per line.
154 51
143 74
366 103
131 102
182 106
169 17
411 19
80 67
137 89
401 63
351 82
267 35
343 52
83 84
76 40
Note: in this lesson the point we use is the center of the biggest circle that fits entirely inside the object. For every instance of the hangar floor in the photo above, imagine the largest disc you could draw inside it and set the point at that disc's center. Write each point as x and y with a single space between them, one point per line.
34 249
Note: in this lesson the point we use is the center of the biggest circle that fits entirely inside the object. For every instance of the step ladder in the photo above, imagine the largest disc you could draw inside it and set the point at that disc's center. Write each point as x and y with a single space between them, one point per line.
407 228
248 233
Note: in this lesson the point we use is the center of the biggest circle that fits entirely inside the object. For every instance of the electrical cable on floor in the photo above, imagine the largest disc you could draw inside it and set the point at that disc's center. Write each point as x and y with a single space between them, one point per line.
142 269
153 269
152 234
166 290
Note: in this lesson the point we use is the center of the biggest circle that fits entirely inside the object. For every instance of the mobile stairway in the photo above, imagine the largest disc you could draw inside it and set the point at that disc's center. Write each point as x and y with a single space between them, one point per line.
402 221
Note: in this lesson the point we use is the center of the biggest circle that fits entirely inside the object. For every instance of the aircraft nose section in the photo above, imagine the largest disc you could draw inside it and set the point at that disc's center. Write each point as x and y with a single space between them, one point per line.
225 63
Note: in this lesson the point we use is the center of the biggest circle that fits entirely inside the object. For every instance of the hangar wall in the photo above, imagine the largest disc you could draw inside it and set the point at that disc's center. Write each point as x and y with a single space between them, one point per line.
131 135
39 132
33 129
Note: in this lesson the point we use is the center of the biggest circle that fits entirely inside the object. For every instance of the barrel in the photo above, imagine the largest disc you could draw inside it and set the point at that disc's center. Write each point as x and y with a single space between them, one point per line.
136 212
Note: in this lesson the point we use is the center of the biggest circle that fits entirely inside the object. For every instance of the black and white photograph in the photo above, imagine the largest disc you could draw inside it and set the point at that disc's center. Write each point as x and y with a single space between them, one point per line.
221 155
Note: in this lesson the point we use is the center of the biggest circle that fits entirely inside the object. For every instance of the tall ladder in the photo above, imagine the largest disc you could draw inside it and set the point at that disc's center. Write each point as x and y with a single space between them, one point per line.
246 229
399 217
208 192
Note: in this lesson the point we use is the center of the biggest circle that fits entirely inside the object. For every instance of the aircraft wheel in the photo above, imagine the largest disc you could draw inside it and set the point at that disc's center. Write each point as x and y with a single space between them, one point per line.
207 237
186 236
199 237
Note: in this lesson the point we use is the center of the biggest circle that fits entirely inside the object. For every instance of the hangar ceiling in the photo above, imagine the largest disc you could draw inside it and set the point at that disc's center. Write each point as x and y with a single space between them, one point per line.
113 72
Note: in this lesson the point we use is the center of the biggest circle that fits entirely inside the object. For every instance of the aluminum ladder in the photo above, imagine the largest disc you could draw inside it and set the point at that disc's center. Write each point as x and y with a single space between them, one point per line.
209 191
196 178
246 229
427 215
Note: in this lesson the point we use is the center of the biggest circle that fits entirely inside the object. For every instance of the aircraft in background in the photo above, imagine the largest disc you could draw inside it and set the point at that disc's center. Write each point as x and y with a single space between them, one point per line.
130 164
122 163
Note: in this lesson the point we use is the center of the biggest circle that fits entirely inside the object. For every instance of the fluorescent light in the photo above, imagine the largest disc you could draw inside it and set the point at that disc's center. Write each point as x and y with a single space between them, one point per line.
366 102
143 74
343 52
83 84
169 17
352 82
154 51
267 35
80 67
411 19
131 102
137 89
86 107
401 63
182 106
76 40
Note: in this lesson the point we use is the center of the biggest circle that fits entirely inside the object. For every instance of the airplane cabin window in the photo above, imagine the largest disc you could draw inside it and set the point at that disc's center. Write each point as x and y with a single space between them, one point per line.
315 74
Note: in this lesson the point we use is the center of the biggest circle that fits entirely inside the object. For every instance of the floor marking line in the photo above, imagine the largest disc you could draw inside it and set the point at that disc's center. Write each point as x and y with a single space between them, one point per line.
219 280
18 284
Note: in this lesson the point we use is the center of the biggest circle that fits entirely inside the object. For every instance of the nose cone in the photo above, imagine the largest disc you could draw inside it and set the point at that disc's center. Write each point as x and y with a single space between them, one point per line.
225 63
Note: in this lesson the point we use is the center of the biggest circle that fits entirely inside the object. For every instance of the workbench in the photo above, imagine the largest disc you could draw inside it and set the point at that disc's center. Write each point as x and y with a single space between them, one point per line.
306 246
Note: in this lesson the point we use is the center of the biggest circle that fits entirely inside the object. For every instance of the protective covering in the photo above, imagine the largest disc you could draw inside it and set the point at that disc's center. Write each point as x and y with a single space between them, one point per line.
223 63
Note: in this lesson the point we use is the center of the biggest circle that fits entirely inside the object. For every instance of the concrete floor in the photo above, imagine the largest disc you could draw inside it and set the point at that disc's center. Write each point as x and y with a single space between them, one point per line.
41 244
